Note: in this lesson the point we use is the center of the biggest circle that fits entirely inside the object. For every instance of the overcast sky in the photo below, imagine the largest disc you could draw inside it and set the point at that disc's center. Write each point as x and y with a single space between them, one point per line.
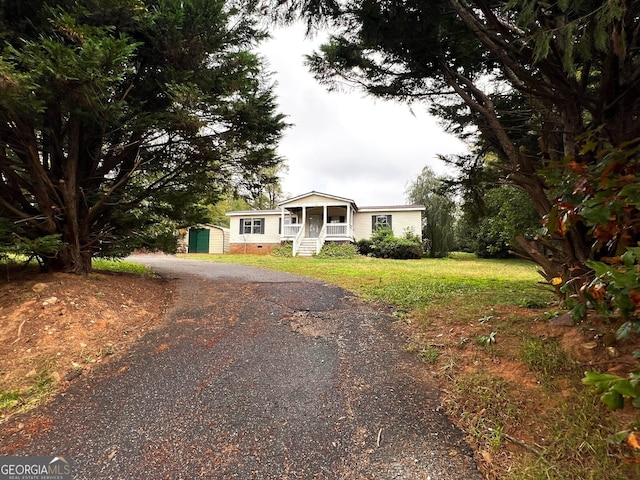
346 144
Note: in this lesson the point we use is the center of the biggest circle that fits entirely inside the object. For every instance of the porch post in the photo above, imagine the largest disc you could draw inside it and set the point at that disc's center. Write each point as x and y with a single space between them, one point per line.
304 221
348 218
324 215
281 223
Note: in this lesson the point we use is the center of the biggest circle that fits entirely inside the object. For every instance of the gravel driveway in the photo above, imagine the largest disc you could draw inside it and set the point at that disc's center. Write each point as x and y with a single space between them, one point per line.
257 374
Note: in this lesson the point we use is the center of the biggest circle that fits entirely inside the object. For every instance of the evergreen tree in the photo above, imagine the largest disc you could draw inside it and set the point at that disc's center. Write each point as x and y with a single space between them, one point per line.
119 119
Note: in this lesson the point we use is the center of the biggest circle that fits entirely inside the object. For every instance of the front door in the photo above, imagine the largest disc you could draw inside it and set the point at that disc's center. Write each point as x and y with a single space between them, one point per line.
315 225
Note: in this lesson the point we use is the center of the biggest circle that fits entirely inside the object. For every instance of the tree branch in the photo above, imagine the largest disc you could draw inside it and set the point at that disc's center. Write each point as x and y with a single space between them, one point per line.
484 107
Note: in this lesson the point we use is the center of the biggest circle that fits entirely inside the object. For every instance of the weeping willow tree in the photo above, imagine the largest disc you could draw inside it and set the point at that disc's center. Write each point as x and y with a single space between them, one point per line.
439 215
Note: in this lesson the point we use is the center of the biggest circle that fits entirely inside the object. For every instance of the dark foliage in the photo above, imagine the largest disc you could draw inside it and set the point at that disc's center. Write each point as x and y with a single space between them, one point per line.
121 119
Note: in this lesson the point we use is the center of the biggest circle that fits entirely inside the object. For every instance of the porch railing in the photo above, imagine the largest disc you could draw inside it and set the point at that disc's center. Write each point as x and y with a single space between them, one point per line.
298 239
292 230
321 238
339 230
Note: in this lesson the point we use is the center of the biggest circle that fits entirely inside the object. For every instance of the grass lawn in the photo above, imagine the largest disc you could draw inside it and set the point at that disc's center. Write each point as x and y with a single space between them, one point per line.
508 379
412 284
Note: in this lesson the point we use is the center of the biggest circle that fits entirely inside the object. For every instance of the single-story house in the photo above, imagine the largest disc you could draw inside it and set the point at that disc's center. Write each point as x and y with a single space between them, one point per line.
314 218
207 239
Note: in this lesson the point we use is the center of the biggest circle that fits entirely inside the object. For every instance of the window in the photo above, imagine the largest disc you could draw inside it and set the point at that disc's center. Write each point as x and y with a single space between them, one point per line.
379 222
249 226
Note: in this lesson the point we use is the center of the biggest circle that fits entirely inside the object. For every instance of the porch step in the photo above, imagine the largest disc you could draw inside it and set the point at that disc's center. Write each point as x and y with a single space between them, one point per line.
307 247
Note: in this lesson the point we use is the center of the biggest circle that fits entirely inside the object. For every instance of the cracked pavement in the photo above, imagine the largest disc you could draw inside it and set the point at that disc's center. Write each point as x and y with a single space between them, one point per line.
255 374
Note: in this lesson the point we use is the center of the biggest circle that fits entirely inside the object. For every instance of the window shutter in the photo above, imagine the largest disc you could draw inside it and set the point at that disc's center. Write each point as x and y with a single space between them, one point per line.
262 225
241 226
389 221
373 223
280 226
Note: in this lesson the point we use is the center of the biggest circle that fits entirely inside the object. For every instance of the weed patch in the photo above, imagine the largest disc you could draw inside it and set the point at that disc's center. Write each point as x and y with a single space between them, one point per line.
40 385
284 250
546 359
427 353
576 447
121 266
484 405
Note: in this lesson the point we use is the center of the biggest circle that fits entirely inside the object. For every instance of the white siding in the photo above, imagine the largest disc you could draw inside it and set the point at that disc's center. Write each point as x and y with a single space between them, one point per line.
271 228
401 221
216 240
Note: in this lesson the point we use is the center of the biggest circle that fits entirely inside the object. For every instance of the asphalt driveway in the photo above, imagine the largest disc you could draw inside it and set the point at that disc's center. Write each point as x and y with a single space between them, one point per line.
256 374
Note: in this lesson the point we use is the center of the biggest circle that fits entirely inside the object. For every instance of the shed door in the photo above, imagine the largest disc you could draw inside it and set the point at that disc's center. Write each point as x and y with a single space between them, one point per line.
198 240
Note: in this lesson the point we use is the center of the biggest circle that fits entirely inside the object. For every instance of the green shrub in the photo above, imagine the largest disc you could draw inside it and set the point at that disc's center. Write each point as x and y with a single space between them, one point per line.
385 245
284 250
405 249
615 292
336 250
365 247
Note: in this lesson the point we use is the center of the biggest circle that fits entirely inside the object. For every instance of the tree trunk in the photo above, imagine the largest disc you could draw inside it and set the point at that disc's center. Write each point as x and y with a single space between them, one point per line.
71 259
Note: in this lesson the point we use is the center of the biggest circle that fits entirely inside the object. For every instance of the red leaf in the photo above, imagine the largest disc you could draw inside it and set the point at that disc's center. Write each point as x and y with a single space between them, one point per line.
633 440
577 167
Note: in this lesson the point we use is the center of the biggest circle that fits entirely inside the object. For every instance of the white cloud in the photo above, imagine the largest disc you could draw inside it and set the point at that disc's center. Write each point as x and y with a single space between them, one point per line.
343 143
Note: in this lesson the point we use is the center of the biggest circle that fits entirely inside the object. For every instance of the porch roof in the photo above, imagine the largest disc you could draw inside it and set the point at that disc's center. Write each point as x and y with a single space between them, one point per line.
299 200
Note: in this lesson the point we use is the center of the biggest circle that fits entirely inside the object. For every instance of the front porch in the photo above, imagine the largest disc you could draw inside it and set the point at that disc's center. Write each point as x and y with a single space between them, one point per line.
310 226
